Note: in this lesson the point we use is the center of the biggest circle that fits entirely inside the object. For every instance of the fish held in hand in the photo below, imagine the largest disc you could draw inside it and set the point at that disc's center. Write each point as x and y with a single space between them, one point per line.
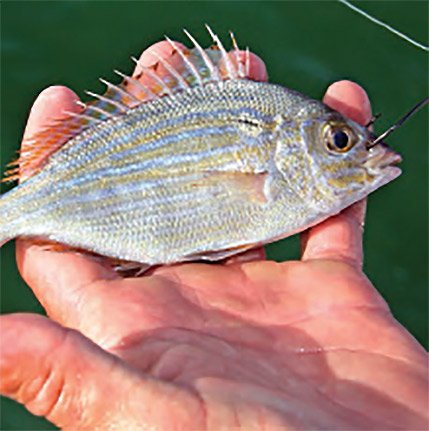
196 162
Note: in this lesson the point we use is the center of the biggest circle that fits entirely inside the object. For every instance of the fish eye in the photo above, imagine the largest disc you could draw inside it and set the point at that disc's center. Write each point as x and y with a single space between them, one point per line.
339 140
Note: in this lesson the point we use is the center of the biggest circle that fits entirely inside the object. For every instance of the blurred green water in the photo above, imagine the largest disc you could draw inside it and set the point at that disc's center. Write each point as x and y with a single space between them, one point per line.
306 46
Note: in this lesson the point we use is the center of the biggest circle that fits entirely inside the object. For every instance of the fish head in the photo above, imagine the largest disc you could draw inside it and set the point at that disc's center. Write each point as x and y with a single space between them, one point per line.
338 165
344 159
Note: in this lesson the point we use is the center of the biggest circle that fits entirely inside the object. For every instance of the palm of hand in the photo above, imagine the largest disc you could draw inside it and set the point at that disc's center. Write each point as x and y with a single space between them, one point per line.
251 344
305 344
247 345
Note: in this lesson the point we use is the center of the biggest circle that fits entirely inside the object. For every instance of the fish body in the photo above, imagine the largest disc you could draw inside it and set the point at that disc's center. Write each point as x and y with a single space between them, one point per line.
204 171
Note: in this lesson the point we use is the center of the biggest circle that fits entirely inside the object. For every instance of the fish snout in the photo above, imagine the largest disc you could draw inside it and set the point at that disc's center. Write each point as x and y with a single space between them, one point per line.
381 158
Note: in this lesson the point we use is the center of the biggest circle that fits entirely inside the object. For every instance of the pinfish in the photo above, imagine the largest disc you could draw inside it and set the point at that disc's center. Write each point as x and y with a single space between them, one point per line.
203 164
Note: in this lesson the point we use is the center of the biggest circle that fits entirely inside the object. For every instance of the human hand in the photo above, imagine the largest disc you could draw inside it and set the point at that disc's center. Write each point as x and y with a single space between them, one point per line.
304 344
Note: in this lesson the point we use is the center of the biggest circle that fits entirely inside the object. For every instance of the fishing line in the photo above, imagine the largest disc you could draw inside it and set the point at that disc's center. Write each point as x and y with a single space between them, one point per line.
400 122
384 25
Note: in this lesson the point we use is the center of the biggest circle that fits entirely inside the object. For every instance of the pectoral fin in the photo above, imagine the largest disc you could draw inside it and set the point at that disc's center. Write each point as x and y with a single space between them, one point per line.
249 186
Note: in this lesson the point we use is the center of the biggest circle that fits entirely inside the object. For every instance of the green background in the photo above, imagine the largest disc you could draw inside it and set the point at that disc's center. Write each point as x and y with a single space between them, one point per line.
306 46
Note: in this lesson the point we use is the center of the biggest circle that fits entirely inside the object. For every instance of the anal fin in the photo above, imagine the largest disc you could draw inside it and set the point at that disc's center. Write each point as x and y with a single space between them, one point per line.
124 268
213 256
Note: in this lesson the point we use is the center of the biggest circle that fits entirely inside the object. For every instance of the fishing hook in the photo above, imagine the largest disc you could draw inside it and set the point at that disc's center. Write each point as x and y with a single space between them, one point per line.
398 123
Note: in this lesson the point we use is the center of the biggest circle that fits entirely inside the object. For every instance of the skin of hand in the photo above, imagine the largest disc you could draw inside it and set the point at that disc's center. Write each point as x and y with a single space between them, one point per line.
249 344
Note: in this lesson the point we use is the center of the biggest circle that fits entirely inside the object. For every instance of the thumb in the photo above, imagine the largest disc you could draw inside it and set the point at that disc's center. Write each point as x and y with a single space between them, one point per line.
58 373
340 237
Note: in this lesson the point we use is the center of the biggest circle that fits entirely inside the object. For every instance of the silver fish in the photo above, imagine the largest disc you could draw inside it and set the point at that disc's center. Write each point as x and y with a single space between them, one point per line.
202 164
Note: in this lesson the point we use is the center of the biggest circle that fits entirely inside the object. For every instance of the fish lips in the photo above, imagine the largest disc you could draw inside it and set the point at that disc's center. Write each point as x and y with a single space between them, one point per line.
382 160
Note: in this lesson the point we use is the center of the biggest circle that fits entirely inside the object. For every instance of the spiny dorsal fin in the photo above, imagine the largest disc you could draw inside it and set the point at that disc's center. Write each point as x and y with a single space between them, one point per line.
191 67
240 67
142 92
185 69
230 68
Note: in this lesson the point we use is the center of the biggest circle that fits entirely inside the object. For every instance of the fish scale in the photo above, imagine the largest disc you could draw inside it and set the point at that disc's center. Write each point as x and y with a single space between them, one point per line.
206 166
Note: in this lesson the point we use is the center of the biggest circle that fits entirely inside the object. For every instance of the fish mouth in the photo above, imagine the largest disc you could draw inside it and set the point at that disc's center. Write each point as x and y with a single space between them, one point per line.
383 159
389 159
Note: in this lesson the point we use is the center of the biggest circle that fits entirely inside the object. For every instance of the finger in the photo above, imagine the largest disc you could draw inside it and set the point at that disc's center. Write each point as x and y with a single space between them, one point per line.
44 111
53 276
340 237
350 99
57 373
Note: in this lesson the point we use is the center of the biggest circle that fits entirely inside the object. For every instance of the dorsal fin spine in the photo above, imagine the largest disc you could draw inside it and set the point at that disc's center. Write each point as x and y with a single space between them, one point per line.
191 67
119 90
112 102
214 73
82 116
232 73
241 71
247 62
100 111
173 72
148 92
81 104
154 76
94 108
13 163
